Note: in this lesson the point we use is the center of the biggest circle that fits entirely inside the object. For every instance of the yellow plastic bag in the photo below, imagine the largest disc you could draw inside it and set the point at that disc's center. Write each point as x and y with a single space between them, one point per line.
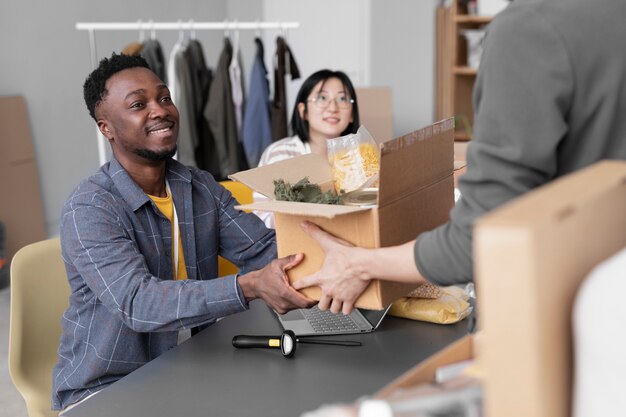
354 159
450 307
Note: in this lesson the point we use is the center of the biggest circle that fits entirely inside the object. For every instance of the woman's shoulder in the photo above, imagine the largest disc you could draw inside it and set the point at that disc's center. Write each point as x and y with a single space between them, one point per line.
283 149
289 141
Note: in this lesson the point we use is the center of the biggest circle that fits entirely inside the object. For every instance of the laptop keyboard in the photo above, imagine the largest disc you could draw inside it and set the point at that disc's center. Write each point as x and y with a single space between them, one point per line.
323 321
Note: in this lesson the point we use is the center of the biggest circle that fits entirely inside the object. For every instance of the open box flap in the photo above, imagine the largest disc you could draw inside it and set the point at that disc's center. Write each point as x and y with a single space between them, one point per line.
415 161
328 211
291 170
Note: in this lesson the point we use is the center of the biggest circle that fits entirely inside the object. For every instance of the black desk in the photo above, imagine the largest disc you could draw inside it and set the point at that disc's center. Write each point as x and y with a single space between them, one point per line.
206 376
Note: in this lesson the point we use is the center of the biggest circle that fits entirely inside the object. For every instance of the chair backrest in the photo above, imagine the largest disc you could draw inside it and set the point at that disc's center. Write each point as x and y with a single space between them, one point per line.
243 195
241 192
39 295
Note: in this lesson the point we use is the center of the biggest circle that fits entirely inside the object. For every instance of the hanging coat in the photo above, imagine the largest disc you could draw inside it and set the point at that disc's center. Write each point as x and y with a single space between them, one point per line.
257 127
282 58
179 83
236 82
133 48
152 52
220 112
201 77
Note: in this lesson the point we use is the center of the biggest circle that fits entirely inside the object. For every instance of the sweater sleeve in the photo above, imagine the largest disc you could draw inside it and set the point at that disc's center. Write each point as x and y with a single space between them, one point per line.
521 101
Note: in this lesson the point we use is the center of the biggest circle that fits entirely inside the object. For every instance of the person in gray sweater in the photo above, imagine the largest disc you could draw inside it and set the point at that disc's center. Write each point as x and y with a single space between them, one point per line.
550 99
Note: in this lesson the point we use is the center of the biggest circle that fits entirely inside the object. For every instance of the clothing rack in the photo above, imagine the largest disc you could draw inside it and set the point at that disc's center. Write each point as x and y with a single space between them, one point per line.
181 26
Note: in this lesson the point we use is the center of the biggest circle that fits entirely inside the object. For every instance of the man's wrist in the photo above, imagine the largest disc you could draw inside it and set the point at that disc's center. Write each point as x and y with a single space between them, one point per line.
247 284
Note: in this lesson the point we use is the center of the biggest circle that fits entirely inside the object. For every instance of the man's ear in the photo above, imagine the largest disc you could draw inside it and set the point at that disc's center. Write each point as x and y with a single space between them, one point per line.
104 128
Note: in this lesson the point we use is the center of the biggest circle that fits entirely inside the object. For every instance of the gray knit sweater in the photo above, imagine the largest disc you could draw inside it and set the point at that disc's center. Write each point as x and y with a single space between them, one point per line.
550 98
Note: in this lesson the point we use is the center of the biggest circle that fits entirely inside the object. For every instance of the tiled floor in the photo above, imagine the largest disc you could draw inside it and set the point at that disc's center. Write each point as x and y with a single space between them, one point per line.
11 403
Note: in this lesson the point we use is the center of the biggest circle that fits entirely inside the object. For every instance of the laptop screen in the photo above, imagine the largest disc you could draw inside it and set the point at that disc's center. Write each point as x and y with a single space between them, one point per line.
374 316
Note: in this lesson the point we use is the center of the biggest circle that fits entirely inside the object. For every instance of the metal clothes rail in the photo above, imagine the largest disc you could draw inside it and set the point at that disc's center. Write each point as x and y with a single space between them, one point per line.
181 26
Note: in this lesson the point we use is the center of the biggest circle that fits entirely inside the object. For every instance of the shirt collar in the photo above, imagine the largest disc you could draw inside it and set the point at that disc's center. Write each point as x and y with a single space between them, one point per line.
175 172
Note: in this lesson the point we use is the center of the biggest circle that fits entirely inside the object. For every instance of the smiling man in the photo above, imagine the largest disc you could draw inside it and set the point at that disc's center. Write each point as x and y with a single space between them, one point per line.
140 241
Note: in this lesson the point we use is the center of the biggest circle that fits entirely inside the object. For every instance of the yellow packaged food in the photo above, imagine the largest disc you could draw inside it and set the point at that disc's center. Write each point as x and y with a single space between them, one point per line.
355 161
451 306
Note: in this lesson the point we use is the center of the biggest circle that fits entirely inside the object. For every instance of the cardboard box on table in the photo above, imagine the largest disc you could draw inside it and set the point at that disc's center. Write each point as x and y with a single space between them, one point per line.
415 195
424 372
531 256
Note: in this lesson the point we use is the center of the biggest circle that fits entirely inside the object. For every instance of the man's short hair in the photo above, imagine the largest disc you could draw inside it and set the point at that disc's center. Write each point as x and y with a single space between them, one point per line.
94 89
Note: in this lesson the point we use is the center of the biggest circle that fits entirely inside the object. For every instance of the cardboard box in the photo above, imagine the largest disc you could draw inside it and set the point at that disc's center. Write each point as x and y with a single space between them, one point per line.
531 256
424 372
415 195
460 167
375 111
21 210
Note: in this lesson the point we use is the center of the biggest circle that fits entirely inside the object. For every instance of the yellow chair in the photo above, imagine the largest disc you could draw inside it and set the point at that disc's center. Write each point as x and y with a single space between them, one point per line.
39 295
243 195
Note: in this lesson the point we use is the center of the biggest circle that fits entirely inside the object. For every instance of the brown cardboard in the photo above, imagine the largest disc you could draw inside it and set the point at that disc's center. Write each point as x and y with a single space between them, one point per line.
459 169
21 210
530 257
375 111
415 195
424 372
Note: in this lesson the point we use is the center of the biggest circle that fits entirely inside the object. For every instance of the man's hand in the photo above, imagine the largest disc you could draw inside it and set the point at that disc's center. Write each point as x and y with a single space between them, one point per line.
342 277
272 285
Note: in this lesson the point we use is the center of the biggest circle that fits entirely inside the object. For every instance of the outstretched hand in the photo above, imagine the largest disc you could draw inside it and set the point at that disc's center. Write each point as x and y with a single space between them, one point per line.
272 285
341 278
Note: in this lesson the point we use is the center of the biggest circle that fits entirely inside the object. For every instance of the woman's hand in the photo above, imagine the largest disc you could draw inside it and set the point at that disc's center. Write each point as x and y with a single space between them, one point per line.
342 277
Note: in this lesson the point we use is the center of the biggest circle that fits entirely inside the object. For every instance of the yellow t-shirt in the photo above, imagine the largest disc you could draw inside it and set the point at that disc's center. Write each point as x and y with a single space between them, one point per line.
166 205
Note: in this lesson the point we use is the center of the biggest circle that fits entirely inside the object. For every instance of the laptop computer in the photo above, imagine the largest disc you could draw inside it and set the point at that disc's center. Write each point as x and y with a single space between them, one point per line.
313 321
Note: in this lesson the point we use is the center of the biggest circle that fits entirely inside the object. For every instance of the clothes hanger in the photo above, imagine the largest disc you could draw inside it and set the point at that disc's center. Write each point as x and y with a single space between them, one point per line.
142 34
181 32
192 30
236 37
226 33
152 30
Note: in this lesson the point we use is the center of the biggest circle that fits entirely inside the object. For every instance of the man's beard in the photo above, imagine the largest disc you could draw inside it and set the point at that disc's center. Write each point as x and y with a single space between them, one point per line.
156 156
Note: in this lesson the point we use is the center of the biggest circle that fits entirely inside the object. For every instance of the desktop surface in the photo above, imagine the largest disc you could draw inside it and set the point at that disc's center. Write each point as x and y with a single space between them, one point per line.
207 376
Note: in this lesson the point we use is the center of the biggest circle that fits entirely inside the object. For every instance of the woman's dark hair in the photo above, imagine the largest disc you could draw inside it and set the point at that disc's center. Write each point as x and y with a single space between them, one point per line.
299 125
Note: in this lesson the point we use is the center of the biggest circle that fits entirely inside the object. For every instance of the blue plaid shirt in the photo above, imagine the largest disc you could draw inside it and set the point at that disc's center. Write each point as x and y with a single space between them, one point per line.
125 309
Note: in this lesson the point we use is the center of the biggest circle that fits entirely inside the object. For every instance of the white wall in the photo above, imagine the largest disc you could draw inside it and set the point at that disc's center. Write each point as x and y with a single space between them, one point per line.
333 34
378 43
403 58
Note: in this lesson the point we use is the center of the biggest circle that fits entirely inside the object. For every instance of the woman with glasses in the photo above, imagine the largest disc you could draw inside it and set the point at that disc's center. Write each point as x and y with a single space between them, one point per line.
326 108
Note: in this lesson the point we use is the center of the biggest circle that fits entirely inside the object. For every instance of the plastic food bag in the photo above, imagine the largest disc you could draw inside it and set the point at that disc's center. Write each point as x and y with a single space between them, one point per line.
354 159
426 290
450 307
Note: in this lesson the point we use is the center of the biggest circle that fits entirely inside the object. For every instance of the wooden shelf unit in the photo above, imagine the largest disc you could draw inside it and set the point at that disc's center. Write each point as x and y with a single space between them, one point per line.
455 80
464 18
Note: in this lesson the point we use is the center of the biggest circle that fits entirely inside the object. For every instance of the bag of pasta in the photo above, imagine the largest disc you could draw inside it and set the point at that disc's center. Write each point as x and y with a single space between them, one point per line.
354 159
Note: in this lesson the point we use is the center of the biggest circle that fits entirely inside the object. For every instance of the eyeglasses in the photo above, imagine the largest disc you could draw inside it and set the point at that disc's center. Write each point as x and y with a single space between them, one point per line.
323 101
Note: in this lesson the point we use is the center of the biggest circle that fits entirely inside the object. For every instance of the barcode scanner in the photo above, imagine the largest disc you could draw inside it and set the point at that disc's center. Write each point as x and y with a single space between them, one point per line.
286 342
